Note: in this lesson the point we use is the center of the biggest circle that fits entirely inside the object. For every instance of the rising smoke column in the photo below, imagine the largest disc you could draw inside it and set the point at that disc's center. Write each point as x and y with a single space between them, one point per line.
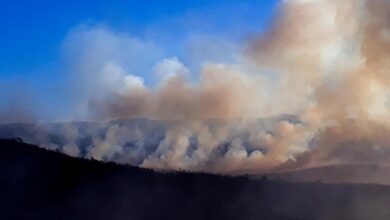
329 61
323 63
341 51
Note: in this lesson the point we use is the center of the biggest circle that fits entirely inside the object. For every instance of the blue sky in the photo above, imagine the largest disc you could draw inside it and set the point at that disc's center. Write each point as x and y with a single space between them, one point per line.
34 33
34 30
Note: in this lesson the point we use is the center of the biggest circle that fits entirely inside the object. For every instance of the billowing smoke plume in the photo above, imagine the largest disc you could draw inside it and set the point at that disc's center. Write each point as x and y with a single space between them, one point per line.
343 59
321 70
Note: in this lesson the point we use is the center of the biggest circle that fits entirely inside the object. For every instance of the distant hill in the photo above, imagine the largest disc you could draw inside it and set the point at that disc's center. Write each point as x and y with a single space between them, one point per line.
36 133
346 173
40 184
136 140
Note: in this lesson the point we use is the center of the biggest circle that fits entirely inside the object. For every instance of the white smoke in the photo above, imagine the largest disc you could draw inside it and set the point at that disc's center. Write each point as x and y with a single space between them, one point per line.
324 62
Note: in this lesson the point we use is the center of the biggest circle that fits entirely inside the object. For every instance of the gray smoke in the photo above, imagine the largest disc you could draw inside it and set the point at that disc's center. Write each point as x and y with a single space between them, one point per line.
321 70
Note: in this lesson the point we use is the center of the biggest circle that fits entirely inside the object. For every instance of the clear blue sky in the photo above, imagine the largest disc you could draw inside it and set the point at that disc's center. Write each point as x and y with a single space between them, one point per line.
33 32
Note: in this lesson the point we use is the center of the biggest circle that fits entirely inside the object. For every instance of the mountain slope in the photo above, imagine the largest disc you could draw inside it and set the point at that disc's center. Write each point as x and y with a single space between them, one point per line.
346 173
40 184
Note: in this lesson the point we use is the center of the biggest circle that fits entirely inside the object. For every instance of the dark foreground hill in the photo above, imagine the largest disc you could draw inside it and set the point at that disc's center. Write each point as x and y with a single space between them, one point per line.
39 184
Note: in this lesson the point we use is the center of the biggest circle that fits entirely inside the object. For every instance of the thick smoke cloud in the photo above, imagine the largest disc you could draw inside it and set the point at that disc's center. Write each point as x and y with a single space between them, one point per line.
324 63
350 108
